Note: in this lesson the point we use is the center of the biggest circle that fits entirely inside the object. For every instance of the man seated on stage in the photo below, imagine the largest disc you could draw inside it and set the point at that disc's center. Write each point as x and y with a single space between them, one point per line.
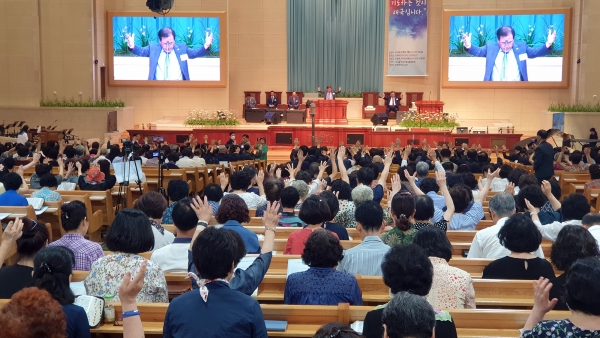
250 101
272 101
392 103
329 94
294 101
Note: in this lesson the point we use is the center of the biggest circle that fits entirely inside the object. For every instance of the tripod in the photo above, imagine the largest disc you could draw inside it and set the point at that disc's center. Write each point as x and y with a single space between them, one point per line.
161 174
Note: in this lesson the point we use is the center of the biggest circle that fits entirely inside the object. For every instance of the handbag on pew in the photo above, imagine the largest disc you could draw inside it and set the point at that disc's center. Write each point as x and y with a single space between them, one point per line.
94 308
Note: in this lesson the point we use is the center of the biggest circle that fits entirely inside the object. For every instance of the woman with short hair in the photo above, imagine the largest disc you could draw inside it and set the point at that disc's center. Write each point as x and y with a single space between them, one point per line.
75 223
573 242
34 237
232 212
521 236
214 310
314 212
129 235
407 268
153 204
582 293
452 288
322 284
52 269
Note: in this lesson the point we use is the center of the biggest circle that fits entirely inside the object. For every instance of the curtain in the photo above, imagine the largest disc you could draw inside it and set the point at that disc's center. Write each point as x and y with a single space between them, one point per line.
337 43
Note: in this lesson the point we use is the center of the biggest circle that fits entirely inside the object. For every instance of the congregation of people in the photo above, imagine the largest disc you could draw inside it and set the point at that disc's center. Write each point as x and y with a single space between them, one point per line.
402 217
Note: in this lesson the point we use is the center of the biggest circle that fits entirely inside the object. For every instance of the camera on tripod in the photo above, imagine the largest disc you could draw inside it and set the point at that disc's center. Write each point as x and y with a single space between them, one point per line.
127 146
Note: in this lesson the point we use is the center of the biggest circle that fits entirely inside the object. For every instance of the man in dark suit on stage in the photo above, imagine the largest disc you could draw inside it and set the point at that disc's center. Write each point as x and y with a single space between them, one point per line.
392 103
543 158
506 60
168 60
329 94
272 101
294 101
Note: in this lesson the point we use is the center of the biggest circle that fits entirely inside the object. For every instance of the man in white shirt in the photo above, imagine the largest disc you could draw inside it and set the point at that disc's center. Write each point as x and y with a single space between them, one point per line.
186 160
174 257
591 222
366 258
486 243
574 207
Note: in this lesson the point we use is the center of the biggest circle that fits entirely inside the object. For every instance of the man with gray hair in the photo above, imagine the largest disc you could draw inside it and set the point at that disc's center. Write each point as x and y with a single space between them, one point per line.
486 243
408 315
422 172
360 194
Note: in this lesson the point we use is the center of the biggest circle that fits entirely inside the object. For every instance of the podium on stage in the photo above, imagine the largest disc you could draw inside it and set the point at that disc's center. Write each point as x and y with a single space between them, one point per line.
331 112
430 106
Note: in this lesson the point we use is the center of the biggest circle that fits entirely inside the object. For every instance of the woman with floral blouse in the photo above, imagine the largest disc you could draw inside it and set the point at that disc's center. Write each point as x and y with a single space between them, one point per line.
130 234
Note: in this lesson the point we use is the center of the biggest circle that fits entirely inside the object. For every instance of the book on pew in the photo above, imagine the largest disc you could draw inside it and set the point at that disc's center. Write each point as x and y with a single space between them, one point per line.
357 326
276 325
295 265
37 204
94 308
66 186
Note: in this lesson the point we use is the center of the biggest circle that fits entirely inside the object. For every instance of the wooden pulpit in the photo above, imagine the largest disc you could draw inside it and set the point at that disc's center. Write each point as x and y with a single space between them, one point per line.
331 112
429 106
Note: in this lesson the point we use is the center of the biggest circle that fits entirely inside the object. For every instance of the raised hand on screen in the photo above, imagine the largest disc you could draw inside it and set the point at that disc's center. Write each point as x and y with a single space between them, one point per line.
208 40
339 89
130 40
467 40
551 38
318 89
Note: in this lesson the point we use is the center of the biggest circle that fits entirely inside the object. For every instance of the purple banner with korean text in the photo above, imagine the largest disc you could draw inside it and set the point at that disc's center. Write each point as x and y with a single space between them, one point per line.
407 38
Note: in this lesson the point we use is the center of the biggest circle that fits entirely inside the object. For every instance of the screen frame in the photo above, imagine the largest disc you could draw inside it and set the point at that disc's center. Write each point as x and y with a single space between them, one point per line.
222 83
566 67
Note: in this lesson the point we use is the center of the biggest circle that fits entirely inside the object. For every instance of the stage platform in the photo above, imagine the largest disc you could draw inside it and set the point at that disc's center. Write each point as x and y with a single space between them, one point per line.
282 136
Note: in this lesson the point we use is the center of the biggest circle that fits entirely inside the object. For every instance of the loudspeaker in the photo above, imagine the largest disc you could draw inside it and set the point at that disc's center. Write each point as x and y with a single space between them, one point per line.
296 116
272 117
459 141
283 138
379 118
352 138
254 115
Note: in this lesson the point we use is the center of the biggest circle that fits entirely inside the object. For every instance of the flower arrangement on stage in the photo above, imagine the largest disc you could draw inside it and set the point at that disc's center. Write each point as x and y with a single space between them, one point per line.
429 120
211 118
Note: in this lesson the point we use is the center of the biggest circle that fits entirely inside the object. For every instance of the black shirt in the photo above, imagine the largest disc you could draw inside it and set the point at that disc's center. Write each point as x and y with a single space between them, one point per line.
514 268
13 279
338 229
558 291
372 327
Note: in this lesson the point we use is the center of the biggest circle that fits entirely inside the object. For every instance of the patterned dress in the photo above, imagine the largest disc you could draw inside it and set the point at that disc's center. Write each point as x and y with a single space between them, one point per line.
107 273
559 329
398 237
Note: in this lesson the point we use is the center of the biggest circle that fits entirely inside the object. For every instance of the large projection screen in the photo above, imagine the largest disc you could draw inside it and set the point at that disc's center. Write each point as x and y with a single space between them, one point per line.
183 49
506 48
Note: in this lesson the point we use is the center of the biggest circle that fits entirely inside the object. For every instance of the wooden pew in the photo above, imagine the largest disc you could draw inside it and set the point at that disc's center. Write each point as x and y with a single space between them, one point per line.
566 178
94 218
100 200
459 248
171 174
196 178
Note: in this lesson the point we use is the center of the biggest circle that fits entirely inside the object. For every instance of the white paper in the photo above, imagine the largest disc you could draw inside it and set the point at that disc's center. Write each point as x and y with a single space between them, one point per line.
295 265
128 170
41 211
36 202
66 186
357 326
4 215
78 288
246 262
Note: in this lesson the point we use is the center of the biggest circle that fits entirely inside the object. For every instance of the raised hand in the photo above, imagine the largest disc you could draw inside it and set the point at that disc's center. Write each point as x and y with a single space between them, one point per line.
208 40
323 166
541 302
551 38
78 165
413 178
271 216
396 184
510 188
130 288
546 188
278 173
13 231
339 89
440 178
467 40
130 38
431 155
322 185
260 177
223 179
389 157
301 156
202 209
318 89
530 207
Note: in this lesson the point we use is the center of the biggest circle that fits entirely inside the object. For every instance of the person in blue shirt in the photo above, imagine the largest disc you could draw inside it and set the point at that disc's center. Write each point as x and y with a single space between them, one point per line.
214 310
52 269
11 198
322 284
232 212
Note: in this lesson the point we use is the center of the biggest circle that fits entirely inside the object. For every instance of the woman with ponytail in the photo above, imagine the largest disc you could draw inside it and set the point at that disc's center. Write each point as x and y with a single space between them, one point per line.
75 224
402 210
52 269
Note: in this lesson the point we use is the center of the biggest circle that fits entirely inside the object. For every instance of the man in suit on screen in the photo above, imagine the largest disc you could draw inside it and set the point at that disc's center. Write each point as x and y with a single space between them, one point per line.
329 94
168 60
294 101
506 59
392 103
